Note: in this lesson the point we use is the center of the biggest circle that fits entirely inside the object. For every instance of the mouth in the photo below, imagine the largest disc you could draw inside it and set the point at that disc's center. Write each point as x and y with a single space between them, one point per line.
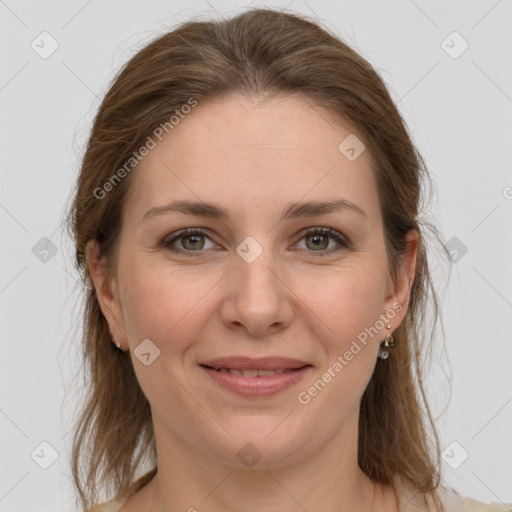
243 363
254 373
251 377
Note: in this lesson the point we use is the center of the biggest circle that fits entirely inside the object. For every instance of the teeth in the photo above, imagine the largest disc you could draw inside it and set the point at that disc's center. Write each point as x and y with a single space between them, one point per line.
265 373
247 373
251 373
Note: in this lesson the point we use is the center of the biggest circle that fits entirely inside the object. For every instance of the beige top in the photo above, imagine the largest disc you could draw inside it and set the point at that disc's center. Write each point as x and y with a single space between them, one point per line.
409 501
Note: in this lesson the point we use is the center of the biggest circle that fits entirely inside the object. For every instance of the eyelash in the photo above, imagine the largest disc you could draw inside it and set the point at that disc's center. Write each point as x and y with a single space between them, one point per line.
166 243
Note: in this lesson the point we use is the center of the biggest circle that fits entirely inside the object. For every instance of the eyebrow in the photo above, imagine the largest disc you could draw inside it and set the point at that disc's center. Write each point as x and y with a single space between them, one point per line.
291 210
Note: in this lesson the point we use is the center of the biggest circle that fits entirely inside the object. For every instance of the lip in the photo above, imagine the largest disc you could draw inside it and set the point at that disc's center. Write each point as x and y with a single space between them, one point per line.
251 363
259 386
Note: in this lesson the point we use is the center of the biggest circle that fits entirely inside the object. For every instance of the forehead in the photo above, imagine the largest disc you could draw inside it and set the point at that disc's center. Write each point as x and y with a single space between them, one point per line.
245 151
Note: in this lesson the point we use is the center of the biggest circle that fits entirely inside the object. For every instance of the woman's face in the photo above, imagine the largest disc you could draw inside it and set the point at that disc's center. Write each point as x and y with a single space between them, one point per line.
259 282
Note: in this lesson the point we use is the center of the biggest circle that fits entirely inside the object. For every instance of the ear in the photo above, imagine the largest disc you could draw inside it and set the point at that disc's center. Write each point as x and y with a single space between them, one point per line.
106 291
399 291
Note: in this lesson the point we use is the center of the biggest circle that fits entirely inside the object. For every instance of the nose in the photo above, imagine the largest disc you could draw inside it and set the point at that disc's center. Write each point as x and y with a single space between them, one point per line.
257 297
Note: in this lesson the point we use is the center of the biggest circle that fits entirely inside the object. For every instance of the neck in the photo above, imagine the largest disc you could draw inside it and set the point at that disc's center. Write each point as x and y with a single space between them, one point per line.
328 479
267 491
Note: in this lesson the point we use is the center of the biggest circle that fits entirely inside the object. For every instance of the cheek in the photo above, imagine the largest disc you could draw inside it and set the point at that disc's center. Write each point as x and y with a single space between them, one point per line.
356 308
347 302
350 309
164 305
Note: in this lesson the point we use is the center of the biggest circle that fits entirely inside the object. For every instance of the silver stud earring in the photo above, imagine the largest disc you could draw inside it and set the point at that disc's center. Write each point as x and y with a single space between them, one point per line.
116 342
388 342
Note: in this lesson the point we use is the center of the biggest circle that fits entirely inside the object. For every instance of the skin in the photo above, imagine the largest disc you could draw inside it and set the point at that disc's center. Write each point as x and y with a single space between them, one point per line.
253 157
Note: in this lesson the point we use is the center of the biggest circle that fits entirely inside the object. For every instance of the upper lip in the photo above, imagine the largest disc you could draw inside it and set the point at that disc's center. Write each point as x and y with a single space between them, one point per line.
250 363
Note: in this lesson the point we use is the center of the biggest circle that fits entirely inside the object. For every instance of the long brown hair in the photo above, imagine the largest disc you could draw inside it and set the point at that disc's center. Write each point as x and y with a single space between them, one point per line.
260 52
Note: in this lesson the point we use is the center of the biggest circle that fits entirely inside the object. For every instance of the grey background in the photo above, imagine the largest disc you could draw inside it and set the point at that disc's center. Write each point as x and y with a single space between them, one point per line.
459 112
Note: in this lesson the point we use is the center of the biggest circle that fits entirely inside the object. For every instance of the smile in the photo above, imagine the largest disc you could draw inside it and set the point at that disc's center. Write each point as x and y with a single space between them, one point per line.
254 382
253 373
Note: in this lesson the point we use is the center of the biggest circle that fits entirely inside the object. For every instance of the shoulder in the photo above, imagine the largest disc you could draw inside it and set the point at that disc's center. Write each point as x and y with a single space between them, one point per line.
115 504
411 500
453 501
109 506
471 505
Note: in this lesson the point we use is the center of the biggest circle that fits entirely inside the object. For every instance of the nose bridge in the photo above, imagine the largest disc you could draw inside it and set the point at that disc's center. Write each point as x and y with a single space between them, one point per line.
255 268
256 297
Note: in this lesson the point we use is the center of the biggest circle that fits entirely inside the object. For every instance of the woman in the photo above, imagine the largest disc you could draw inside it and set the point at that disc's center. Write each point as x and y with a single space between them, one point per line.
246 218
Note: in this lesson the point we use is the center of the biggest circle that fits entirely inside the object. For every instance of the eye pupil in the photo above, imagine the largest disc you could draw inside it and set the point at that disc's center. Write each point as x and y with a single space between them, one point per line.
316 239
195 238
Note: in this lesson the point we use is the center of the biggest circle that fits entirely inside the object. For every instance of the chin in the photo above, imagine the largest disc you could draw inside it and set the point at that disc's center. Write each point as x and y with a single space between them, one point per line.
263 442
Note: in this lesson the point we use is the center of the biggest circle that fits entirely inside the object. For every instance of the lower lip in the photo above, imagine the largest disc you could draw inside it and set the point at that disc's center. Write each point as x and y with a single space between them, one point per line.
257 386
